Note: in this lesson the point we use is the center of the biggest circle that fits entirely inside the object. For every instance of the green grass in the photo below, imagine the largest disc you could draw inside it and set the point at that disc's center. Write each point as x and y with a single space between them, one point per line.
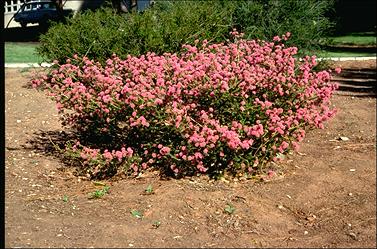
345 54
17 52
355 39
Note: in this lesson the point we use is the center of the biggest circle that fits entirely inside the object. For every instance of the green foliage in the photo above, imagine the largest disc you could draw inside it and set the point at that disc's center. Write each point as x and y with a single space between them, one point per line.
305 19
95 34
163 28
168 25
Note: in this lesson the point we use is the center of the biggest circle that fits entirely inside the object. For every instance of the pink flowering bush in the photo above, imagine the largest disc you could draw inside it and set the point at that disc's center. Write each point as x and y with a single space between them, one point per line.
211 108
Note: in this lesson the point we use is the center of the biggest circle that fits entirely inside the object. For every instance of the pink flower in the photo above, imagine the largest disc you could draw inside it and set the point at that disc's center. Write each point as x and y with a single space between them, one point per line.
271 173
158 101
164 150
107 155
130 152
119 155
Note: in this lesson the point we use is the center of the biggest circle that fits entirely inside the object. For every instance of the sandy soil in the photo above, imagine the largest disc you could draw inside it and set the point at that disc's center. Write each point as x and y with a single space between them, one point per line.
324 196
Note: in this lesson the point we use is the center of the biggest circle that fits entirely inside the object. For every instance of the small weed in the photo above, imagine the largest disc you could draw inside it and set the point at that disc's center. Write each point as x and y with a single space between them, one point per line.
229 208
65 198
136 214
156 224
149 189
99 193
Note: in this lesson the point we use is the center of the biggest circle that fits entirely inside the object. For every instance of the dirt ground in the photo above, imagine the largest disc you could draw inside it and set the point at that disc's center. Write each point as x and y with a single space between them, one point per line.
324 196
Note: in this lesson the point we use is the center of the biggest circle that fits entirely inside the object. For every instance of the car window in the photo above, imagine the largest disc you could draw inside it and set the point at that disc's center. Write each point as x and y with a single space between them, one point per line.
46 6
36 6
27 7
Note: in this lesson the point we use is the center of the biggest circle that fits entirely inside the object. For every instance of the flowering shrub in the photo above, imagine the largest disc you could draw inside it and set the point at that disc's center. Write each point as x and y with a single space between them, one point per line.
212 108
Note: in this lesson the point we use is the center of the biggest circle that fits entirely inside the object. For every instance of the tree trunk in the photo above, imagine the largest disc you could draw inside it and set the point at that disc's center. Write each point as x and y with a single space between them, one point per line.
124 6
59 8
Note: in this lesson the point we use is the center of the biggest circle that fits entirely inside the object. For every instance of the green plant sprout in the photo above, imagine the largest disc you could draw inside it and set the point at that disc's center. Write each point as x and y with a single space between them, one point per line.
149 189
137 214
99 193
229 208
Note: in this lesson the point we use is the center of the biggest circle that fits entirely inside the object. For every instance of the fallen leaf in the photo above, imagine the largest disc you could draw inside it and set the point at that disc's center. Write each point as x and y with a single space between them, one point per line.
353 235
99 183
343 138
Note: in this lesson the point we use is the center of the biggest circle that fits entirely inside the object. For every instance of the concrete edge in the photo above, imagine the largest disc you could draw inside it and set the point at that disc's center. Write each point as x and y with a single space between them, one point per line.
347 58
25 65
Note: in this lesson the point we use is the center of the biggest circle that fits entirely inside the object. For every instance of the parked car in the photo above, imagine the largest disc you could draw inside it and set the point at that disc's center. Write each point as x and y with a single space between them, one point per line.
39 12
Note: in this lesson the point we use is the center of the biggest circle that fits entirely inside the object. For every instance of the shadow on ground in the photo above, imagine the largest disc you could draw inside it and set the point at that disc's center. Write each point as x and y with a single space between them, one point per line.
350 48
53 143
28 34
48 142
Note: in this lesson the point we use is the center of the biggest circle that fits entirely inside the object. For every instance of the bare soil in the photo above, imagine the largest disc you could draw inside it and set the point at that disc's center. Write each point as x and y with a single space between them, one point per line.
323 196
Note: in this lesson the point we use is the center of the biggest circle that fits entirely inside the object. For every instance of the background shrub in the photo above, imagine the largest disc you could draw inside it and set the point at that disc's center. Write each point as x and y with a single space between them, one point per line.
307 20
168 25
163 28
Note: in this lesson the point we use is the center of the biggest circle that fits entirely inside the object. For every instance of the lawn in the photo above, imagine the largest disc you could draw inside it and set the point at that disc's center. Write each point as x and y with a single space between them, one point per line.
327 54
351 45
360 39
17 52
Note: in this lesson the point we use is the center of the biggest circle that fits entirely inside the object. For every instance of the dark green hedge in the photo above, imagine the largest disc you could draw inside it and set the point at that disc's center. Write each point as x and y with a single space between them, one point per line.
169 24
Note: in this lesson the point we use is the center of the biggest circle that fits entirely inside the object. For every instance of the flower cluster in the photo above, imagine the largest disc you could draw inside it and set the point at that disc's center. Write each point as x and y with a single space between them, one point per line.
231 106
